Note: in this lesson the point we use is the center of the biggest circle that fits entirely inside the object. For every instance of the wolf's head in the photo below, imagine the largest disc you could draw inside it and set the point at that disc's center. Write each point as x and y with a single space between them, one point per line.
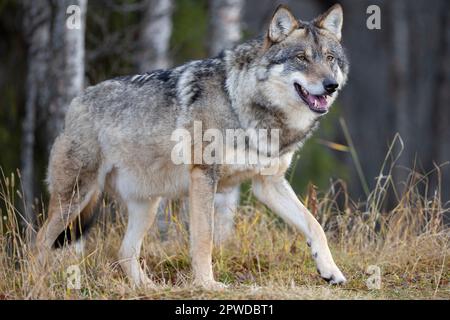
303 64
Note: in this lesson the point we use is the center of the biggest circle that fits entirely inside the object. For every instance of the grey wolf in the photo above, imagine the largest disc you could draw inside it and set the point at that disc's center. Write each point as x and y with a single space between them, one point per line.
117 138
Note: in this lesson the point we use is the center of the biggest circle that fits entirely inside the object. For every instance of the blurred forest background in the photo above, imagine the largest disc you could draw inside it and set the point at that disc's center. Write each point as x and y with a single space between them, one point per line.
399 80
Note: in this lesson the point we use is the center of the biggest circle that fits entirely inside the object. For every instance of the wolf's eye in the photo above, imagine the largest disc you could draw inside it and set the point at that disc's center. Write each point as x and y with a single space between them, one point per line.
301 57
330 58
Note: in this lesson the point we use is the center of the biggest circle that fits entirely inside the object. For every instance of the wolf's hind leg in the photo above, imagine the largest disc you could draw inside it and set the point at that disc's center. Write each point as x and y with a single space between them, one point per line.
141 214
225 206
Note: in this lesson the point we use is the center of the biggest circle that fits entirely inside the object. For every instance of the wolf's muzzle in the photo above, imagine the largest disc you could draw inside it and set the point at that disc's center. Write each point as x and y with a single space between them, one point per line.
330 85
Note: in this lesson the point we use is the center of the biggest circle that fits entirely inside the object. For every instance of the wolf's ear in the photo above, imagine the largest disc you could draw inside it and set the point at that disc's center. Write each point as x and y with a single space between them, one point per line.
282 24
332 20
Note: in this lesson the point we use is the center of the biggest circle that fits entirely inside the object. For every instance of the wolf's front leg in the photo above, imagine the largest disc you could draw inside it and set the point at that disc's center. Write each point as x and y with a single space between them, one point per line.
201 224
277 194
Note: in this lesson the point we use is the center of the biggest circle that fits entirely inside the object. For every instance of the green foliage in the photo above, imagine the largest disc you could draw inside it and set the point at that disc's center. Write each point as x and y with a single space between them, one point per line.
12 72
10 129
189 30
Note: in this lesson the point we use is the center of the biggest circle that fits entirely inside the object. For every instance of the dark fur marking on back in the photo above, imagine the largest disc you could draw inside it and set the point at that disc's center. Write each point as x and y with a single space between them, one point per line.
141 79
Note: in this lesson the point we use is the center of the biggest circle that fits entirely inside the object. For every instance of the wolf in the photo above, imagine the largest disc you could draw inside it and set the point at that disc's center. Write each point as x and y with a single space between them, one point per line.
117 139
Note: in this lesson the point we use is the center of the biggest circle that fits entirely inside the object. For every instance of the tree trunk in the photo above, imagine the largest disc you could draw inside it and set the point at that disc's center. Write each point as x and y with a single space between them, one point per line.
441 132
225 24
36 26
154 39
67 64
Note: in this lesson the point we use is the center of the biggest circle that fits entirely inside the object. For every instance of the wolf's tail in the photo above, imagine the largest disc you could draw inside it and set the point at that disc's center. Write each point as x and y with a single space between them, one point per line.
80 226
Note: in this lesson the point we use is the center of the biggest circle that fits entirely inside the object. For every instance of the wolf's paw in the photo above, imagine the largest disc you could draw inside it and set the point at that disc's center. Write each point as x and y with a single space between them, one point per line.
332 276
142 281
210 285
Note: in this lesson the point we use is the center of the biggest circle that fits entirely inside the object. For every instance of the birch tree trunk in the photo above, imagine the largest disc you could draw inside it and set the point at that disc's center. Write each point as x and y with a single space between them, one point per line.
225 24
67 64
154 39
36 24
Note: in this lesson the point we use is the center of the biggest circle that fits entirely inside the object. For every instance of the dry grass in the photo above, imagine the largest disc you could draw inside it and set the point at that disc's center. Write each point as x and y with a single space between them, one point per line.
265 260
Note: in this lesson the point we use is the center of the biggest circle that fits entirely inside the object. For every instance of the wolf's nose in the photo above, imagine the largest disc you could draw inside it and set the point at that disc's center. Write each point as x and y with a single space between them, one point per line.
330 85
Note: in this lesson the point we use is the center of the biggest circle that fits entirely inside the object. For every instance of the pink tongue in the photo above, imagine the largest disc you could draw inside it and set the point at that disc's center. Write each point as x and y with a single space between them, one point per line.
321 101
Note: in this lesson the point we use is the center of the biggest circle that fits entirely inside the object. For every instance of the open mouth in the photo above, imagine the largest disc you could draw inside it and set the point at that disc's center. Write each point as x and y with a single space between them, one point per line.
317 104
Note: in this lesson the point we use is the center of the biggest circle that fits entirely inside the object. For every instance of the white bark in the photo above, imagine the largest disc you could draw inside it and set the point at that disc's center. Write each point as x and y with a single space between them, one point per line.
225 24
67 65
154 40
36 26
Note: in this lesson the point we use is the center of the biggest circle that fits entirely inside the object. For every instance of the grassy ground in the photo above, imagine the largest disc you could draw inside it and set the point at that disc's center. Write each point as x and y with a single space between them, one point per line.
265 259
